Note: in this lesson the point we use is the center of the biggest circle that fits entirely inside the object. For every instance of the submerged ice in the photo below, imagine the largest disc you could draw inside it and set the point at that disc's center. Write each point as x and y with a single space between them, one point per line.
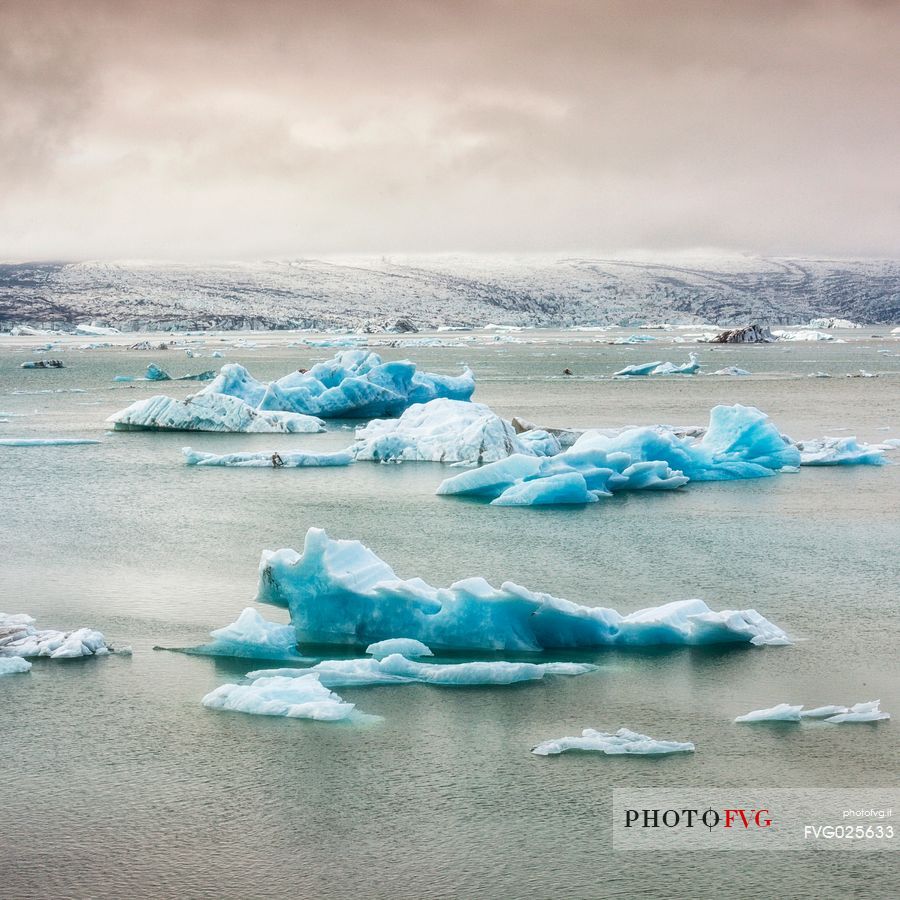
740 442
340 592
621 743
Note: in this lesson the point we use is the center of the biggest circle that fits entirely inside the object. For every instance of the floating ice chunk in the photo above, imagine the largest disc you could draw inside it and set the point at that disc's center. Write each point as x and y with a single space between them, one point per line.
155 373
408 647
831 451
749 334
287 459
622 743
217 354
861 712
448 431
95 329
43 364
295 698
832 322
822 712
251 636
492 480
355 384
340 592
397 669
730 370
806 335
13 665
210 412
561 489
783 712
638 369
19 637
45 442
691 367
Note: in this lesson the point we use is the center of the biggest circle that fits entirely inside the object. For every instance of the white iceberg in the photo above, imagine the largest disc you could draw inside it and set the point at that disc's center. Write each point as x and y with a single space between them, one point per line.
294 698
95 329
251 636
860 712
832 322
783 712
846 451
210 412
740 442
340 592
806 335
284 460
408 647
691 367
13 665
730 370
19 637
822 712
621 743
397 669
452 431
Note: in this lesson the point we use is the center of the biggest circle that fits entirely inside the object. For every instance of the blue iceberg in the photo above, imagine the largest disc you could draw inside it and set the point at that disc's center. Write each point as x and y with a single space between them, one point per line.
840 452
285 460
251 636
740 442
691 367
340 592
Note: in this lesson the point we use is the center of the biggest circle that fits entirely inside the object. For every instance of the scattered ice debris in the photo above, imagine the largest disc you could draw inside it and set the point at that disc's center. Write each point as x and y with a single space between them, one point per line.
251 636
52 391
740 442
355 384
662 368
13 665
285 460
730 370
340 592
45 442
783 712
397 669
832 322
621 743
635 339
448 431
750 334
836 715
862 373
43 364
408 647
210 412
19 637
846 451
295 698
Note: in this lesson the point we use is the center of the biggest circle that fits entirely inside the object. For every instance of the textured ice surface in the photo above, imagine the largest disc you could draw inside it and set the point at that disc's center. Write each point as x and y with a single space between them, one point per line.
340 592
407 647
783 712
253 637
397 669
210 412
860 712
286 459
355 384
691 367
846 451
45 442
805 335
13 665
822 712
622 743
295 698
740 442
19 637
448 431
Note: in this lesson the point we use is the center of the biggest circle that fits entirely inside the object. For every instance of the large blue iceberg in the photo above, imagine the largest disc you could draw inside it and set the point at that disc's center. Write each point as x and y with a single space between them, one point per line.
740 442
355 384
340 592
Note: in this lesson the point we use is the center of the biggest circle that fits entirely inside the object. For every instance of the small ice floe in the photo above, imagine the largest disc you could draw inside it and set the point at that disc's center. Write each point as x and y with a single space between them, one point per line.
806 335
836 715
251 636
830 451
862 373
635 339
285 460
622 743
94 328
749 334
19 637
397 669
217 354
295 698
691 367
729 370
818 375
43 364
408 647
13 665
45 442
832 322
155 373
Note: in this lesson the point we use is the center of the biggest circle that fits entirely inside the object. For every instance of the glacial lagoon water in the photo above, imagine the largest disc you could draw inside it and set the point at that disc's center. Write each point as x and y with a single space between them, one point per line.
116 782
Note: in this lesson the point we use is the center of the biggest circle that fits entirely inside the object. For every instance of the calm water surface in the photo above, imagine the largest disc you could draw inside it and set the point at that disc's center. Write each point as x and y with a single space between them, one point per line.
117 783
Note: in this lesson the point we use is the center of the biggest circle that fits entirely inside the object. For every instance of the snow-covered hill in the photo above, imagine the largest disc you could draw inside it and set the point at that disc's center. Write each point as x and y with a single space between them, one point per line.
449 290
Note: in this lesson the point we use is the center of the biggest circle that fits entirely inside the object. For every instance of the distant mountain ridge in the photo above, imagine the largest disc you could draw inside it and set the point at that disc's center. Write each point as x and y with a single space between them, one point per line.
436 291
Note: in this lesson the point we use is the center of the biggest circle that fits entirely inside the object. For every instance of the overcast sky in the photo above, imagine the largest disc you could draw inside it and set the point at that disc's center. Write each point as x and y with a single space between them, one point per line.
217 129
